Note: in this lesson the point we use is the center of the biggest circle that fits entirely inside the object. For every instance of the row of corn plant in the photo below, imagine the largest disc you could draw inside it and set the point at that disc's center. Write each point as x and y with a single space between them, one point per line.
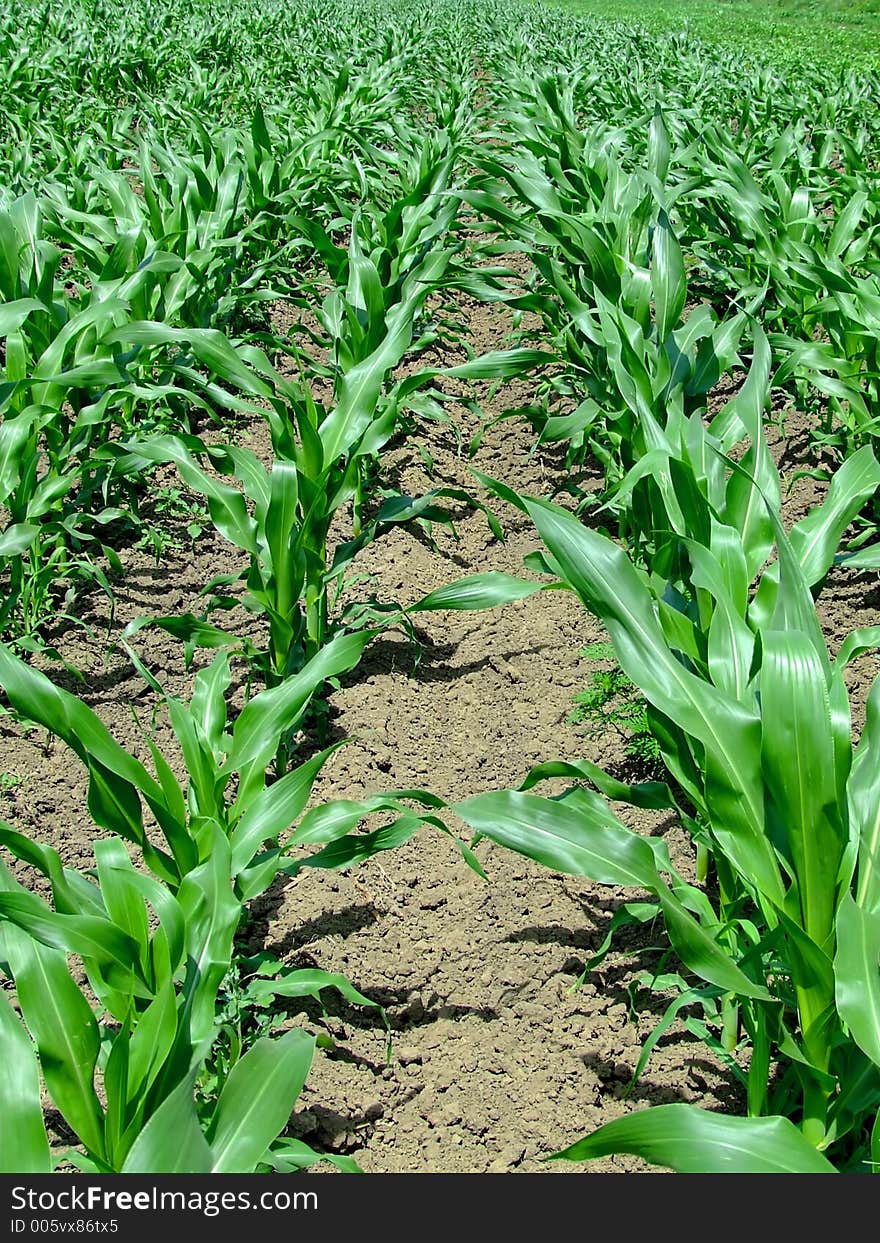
122 1048
711 613
752 719
641 356
710 609
172 219
585 203
324 451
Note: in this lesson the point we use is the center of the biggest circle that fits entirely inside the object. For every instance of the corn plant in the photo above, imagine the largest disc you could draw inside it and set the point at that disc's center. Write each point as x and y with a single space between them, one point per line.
227 789
153 1028
158 946
66 391
752 720
596 224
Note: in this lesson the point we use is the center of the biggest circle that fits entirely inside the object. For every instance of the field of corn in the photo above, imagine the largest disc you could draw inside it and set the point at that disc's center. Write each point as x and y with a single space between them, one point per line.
440 604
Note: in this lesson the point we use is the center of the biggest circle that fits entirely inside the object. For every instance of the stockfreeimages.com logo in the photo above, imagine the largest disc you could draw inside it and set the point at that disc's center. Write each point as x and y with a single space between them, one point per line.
97 1199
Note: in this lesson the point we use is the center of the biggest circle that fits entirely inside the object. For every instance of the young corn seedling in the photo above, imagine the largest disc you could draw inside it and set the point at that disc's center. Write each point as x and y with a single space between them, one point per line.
227 790
752 719
145 1043
176 1093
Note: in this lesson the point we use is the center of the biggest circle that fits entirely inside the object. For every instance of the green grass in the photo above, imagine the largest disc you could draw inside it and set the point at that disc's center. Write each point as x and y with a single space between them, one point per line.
839 34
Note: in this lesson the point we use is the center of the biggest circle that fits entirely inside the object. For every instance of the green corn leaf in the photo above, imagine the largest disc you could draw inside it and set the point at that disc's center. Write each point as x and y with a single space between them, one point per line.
863 790
668 277
798 760
163 903
115 1084
18 538
816 538
199 758
649 794
626 916
122 900
24 1147
592 842
500 364
226 505
793 606
561 838
172 1141
257 1100
151 1043
361 386
187 628
857 974
14 314
116 777
306 983
847 224
731 643
281 528
211 916
855 644
64 1031
289 1155
15 439
477 591
84 935
864 559
208 703
332 820
354 848
68 895
659 147
212 348
753 487
692 1141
